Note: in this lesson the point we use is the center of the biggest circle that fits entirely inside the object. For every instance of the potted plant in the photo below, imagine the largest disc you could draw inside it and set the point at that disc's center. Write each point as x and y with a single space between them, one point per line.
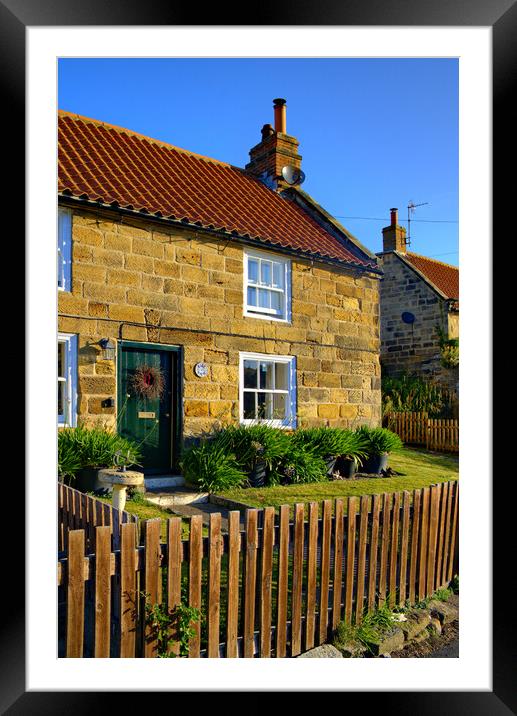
210 468
299 464
83 451
326 443
352 452
256 449
321 441
379 443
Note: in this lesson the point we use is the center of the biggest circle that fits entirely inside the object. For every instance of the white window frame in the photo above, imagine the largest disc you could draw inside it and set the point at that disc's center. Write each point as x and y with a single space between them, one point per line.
290 419
64 249
69 418
265 313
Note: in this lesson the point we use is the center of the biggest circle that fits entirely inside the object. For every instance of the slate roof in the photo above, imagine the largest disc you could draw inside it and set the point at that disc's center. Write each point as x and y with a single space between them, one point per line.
100 162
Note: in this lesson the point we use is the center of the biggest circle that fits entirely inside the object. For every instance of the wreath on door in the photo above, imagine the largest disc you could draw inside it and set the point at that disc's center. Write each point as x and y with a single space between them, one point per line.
148 381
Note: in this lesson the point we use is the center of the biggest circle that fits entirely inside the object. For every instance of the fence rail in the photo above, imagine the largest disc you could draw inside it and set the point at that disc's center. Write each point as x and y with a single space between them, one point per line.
79 511
275 589
419 429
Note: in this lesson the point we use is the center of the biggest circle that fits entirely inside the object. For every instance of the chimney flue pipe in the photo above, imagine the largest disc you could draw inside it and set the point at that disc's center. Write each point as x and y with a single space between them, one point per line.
280 115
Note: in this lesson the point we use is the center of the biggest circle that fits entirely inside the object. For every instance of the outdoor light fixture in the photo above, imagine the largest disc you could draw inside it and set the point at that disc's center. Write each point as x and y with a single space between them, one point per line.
108 348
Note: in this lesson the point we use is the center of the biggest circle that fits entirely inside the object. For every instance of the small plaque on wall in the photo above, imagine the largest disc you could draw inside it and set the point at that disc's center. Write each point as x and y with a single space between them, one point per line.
146 415
201 370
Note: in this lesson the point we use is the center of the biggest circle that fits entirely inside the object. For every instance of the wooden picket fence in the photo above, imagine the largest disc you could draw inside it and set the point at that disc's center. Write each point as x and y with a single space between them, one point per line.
76 510
419 429
275 589
443 435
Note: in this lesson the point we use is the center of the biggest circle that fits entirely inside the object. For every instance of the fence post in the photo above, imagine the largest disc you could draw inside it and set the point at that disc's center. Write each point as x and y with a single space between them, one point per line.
266 579
75 595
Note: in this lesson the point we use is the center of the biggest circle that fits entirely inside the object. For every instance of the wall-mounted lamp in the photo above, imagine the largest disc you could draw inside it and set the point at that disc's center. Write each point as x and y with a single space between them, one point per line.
108 348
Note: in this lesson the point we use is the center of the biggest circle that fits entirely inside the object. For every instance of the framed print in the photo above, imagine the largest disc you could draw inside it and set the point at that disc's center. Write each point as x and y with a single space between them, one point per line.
34 36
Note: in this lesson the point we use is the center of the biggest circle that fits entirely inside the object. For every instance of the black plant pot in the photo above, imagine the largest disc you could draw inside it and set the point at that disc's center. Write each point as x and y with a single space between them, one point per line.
87 480
347 467
330 462
257 476
376 464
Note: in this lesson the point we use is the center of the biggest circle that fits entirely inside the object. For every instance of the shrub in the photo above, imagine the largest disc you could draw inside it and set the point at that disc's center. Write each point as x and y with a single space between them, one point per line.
298 465
378 441
211 467
250 444
68 457
335 442
321 441
371 628
413 394
82 447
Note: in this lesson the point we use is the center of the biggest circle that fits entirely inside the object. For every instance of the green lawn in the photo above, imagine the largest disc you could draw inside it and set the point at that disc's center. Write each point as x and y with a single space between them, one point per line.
417 468
147 511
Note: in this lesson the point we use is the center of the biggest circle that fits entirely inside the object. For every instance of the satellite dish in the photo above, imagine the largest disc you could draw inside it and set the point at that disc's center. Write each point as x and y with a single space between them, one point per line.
292 175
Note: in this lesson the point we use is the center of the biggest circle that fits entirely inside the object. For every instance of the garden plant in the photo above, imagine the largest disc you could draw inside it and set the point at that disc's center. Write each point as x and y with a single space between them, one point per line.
84 448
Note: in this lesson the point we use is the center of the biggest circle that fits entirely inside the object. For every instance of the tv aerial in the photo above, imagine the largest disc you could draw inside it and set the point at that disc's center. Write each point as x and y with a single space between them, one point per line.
410 211
292 175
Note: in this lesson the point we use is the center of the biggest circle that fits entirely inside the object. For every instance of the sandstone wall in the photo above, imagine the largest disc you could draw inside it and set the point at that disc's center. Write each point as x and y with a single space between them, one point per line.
186 289
413 348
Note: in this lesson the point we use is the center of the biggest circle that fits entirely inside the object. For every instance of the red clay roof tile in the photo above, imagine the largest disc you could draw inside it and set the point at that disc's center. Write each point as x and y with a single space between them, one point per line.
444 276
112 165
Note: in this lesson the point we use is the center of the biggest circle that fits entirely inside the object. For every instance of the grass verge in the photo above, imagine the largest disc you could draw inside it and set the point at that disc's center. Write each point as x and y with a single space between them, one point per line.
416 468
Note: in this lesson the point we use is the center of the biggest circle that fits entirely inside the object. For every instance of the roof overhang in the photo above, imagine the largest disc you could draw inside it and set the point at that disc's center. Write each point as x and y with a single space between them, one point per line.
215 232
449 301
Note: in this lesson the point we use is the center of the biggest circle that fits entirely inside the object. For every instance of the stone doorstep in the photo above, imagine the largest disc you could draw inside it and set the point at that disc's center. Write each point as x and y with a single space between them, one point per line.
164 481
175 496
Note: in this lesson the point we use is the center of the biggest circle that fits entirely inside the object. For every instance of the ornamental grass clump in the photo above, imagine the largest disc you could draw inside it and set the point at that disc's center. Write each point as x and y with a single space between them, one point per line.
324 442
82 447
210 468
379 441
254 443
298 465
342 449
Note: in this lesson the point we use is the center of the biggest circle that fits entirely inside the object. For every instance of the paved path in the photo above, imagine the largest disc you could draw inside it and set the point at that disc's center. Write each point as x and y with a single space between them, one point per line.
205 509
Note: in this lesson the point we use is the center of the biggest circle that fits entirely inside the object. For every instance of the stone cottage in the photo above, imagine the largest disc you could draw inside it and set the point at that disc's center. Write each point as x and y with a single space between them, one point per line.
193 293
419 312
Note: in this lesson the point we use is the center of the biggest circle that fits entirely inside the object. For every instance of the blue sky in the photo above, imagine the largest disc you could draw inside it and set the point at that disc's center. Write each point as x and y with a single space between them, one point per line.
373 133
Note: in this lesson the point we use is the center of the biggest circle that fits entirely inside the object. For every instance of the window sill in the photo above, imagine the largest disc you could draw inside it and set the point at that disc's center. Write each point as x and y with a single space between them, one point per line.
266 317
272 423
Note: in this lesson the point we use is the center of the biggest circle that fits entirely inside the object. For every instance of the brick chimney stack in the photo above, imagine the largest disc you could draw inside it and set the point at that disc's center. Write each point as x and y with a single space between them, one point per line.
394 236
276 150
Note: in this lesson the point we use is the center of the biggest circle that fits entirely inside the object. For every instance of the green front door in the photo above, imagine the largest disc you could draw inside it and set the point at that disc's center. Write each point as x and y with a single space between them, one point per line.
147 403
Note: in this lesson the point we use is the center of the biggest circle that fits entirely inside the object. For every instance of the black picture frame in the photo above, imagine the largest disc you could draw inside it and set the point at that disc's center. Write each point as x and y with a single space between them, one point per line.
501 16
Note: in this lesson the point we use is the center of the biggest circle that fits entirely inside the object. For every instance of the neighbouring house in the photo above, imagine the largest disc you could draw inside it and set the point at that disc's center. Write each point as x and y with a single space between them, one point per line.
193 293
419 312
